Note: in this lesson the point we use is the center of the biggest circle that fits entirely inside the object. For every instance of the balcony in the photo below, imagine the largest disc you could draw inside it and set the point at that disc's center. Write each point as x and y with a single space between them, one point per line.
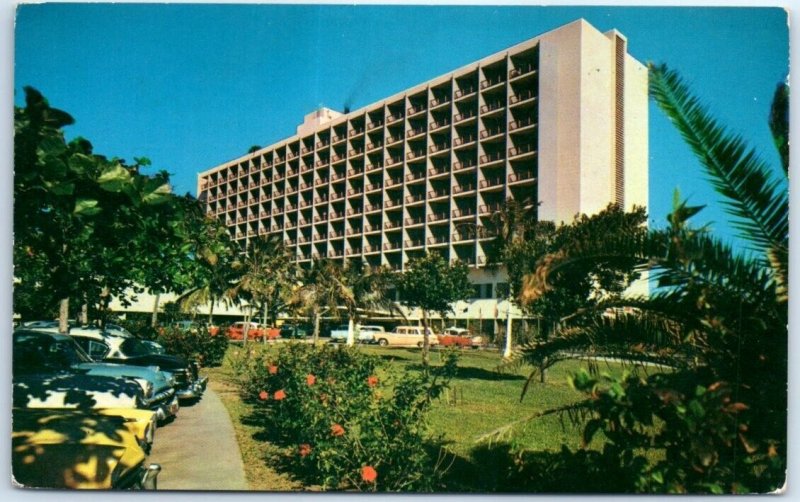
374 125
465 91
414 243
463 213
354 172
522 69
390 224
437 240
290 242
323 144
355 152
291 155
356 131
521 177
463 140
437 194
492 81
415 132
415 154
391 140
305 186
375 167
321 199
354 211
337 176
465 188
321 163
490 208
414 221
355 191
389 246
353 231
337 196
411 199
337 158
416 109
336 234
302 239
374 146
517 151
338 139
521 96
321 181
373 187
393 181
336 216
437 217
435 172
440 101
371 208
319 237
519 124
441 147
303 222
461 117
490 183
305 203
490 107
372 249
320 217
415 176
335 254
394 117
369 229
392 203
390 161
492 157
490 133
353 251
439 124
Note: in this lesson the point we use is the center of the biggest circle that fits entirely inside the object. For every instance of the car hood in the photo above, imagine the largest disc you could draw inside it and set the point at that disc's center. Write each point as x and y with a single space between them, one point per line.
79 390
151 374
162 361
72 450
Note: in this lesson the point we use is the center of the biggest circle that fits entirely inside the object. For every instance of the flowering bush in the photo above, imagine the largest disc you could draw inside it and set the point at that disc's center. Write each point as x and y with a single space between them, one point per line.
194 345
343 422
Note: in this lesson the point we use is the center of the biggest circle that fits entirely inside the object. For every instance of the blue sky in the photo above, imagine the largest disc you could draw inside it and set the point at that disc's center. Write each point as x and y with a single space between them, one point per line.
192 86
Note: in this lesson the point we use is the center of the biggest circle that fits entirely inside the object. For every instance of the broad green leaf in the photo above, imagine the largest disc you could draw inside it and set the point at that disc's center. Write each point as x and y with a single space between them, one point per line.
86 207
114 178
59 188
158 195
81 164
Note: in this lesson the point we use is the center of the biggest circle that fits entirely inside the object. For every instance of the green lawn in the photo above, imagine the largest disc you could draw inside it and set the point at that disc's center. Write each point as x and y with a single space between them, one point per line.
481 399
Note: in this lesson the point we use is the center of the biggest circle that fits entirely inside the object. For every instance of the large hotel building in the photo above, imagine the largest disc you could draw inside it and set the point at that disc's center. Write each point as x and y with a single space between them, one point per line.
559 120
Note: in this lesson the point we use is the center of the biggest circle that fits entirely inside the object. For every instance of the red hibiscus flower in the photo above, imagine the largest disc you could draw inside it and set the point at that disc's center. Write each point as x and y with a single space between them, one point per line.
263 395
337 430
305 450
273 369
369 474
372 381
310 379
279 395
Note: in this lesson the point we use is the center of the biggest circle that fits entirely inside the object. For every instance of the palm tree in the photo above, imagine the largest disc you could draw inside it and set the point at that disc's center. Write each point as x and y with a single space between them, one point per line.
361 289
265 275
318 291
718 319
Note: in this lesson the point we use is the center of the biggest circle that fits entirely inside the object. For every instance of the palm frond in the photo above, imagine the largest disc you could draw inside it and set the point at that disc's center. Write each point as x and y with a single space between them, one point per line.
754 197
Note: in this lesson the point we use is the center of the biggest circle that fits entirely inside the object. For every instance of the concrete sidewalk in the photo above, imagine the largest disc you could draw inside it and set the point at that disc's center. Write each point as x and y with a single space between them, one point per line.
198 450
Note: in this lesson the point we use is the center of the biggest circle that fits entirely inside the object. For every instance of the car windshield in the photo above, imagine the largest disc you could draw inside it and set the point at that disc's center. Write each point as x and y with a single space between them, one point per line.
37 352
134 347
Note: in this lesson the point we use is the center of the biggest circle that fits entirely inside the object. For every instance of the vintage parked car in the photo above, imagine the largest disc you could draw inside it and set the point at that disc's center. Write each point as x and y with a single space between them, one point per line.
459 337
406 336
86 395
256 331
362 334
102 345
45 353
78 450
294 331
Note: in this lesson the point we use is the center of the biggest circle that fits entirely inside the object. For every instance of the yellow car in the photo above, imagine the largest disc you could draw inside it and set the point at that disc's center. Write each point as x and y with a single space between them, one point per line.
92 449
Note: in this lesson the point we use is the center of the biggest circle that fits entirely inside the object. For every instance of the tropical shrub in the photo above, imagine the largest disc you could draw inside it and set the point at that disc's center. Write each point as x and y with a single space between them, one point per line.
195 344
716 420
344 422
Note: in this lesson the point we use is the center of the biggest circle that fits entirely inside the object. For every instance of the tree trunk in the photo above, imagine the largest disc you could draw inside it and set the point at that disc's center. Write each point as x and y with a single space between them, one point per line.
63 316
543 365
84 315
267 325
211 313
154 318
246 328
315 337
350 332
426 342
507 352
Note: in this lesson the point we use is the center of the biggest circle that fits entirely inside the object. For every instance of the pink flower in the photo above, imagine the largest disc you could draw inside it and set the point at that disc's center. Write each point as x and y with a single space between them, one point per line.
273 369
263 395
337 430
305 450
372 381
310 380
279 395
369 474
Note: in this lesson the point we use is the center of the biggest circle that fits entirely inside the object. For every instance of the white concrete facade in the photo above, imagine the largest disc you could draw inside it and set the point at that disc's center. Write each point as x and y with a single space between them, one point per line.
560 119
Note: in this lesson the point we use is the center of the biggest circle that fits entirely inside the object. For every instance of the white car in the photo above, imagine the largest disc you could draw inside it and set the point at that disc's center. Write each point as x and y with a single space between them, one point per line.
363 334
406 336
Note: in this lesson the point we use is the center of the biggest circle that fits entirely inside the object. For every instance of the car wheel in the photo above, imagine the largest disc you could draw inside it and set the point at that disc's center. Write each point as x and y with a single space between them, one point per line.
420 344
383 342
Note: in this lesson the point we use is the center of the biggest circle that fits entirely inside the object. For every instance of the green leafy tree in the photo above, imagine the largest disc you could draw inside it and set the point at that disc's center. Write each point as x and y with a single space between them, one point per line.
75 214
318 291
432 285
718 320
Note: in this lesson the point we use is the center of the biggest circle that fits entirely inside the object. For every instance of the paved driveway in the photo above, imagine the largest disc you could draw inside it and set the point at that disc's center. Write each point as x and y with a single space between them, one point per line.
198 450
